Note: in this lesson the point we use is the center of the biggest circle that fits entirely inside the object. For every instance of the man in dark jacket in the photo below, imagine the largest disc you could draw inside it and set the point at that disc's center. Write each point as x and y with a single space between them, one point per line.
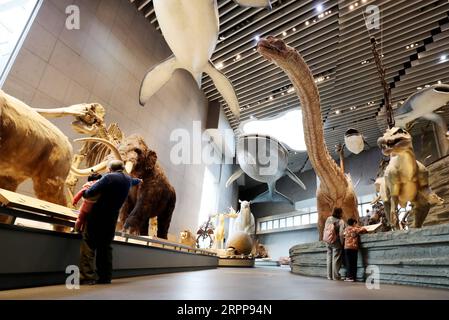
99 233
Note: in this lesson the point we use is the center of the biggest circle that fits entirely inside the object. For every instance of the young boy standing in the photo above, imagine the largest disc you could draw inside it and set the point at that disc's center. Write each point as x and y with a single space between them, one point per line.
351 234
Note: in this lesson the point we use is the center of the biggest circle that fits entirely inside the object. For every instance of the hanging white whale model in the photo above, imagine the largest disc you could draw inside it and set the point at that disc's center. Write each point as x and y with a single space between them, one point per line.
422 104
191 28
354 141
264 159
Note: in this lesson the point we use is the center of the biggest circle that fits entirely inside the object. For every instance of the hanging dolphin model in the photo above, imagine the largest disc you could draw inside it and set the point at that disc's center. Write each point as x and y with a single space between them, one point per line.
354 141
264 159
191 29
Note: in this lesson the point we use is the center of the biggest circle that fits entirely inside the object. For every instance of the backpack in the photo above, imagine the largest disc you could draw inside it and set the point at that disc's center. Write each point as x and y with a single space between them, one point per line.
330 234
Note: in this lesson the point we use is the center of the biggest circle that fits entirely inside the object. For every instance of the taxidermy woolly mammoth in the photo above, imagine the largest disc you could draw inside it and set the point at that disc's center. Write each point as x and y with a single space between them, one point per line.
155 197
31 147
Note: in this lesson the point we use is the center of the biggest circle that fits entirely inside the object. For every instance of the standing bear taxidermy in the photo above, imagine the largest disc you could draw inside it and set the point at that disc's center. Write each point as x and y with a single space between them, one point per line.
154 197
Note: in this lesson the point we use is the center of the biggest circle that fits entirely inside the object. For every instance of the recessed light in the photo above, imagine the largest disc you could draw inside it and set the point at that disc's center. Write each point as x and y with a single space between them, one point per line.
220 65
257 38
284 33
271 98
294 29
337 112
443 58
439 82
319 8
238 57
351 7
307 23
419 88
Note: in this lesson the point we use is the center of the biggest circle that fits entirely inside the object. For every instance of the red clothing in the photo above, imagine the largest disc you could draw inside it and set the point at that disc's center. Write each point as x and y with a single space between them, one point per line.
352 237
86 206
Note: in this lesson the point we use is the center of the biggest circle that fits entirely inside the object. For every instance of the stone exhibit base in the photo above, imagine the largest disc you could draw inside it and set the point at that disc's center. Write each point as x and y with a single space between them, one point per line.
418 257
236 262
32 257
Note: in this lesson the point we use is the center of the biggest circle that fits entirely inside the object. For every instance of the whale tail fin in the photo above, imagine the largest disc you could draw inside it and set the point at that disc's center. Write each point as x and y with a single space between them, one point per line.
272 195
156 78
225 88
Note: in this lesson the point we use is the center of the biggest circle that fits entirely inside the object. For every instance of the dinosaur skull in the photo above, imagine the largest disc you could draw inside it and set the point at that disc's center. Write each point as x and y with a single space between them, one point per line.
394 141
92 116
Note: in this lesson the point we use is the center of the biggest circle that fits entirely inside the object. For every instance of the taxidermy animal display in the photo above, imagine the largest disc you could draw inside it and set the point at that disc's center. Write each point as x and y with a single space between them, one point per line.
187 238
354 141
422 104
191 30
335 189
89 120
405 179
31 147
155 197
220 229
264 159
206 231
242 232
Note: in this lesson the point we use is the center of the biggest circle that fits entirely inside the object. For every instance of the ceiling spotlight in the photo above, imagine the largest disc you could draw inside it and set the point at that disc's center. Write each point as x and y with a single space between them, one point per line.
238 57
356 4
412 45
284 33
222 38
351 7
271 98
257 38
220 65
294 29
443 58
337 112
407 47
307 23
364 1
427 86
319 8
291 90
314 20
439 82
419 88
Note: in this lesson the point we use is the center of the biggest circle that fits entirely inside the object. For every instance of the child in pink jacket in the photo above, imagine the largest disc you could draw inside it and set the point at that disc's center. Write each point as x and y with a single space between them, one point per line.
87 204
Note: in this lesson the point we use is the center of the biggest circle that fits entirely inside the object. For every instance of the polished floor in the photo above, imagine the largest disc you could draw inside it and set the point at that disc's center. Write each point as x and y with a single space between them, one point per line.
229 284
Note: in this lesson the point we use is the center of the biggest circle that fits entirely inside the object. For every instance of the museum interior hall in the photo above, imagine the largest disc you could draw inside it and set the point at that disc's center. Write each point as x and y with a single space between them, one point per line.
209 149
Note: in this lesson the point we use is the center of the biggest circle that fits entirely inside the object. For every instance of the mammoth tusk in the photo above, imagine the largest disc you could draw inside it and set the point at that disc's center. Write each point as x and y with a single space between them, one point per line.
110 145
86 172
129 167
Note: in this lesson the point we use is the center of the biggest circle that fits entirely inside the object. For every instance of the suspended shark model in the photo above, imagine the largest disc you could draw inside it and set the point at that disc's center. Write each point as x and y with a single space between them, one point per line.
191 29
265 160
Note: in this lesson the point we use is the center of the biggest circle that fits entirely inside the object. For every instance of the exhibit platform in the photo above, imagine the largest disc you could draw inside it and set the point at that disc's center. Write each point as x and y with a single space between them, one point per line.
418 257
267 263
236 262
35 257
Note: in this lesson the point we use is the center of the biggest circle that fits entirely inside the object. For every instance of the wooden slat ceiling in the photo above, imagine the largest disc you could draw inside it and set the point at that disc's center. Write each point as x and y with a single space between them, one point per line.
335 43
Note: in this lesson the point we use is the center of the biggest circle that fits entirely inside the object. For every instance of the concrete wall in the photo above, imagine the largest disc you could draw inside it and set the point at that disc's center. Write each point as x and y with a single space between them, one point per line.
105 62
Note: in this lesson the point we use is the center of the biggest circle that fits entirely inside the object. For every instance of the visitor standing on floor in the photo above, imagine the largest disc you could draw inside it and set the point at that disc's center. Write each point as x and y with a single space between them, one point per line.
334 237
87 204
351 235
112 190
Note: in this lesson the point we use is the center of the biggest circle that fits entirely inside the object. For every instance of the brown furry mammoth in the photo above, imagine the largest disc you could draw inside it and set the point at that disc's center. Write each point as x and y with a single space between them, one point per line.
31 147
155 197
